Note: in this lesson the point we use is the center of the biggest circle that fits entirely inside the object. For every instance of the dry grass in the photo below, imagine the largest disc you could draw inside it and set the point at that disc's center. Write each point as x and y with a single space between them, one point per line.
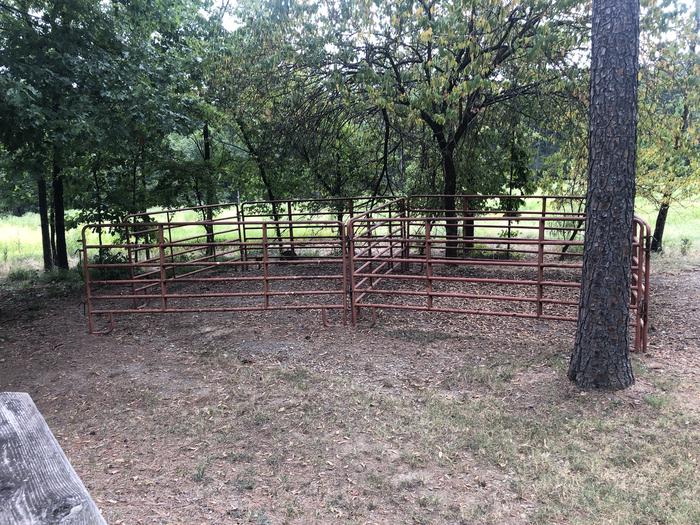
262 418
294 443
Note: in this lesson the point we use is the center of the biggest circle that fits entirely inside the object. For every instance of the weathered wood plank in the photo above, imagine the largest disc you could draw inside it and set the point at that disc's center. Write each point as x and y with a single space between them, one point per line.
37 483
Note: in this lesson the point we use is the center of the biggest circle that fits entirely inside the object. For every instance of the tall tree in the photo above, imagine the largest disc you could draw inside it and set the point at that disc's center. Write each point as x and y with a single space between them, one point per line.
92 91
601 354
446 63
669 142
51 55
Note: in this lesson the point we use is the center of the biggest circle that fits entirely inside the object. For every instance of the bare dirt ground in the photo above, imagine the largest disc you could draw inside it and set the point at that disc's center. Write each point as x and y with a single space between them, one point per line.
272 418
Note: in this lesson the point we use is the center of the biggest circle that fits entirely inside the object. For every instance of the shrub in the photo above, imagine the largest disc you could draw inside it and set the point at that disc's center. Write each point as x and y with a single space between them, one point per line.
686 245
107 257
22 275
57 276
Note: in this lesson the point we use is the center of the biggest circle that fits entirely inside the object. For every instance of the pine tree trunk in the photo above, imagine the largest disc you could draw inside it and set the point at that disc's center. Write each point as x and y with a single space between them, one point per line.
61 254
601 354
44 218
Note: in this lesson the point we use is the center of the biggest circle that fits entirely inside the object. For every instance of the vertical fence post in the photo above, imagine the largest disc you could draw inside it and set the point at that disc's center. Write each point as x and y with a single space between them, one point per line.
540 257
647 269
266 282
344 257
509 232
291 226
88 284
240 239
244 245
641 303
130 258
540 265
464 225
428 264
634 293
404 236
161 253
369 248
351 270
391 238
170 242
212 228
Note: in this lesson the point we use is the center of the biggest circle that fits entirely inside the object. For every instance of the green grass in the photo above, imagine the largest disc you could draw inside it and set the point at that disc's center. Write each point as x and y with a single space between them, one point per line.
682 232
683 222
549 453
20 242
20 237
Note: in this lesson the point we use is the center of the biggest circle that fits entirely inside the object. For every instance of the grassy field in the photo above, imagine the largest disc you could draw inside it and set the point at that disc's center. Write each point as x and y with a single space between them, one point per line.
20 237
683 223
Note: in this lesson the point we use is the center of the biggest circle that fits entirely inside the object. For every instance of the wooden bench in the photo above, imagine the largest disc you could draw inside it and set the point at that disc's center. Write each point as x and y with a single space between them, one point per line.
37 483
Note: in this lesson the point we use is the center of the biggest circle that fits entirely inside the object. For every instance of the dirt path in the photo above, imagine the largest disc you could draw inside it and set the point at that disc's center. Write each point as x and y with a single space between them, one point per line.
271 418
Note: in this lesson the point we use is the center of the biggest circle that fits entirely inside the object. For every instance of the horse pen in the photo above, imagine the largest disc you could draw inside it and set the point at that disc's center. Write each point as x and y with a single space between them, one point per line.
349 257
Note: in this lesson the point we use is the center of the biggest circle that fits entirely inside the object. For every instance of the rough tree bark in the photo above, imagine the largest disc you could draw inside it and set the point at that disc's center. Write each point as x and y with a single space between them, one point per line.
601 354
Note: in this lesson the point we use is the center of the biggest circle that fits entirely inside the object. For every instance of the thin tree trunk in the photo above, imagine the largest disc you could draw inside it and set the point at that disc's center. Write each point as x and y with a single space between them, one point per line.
572 237
450 189
658 238
273 201
61 253
385 154
209 190
142 166
52 231
255 153
44 217
601 353
270 196
134 187
98 201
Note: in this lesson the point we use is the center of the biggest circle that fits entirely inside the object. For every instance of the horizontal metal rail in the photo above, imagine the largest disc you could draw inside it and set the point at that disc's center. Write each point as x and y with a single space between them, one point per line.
422 275
259 275
484 257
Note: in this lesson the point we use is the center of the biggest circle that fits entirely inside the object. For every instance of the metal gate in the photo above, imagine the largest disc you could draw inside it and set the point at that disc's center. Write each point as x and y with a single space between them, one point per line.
412 255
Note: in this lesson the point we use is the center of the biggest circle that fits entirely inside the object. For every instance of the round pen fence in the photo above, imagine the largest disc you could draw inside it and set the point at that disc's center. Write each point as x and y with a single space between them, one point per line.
496 256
